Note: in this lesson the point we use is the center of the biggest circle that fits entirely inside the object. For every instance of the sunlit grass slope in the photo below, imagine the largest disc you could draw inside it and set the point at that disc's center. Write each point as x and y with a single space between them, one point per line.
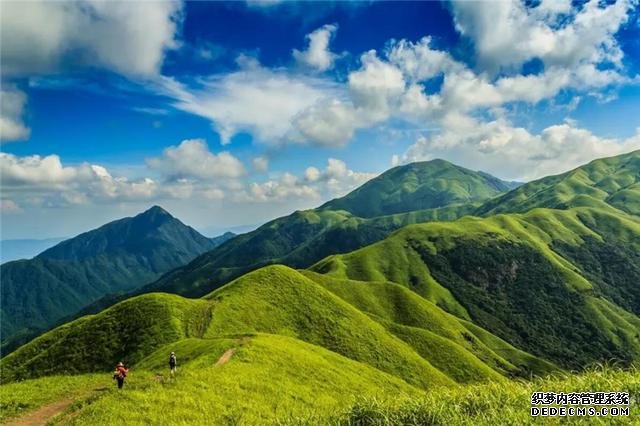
418 186
613 180
383 325
18 398
280 300
280 380
435 334
495 403
128 331
267 377
508 274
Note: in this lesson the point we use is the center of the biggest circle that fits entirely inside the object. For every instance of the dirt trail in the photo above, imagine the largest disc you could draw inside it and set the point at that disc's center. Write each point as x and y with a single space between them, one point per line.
45 413
226 356
41 415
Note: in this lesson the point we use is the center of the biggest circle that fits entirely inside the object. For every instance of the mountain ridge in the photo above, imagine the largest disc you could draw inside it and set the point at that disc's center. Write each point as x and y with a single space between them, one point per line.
116 257
304 237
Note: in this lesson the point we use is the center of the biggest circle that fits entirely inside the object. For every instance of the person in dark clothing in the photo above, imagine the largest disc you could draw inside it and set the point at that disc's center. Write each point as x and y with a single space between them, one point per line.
120 374
173 362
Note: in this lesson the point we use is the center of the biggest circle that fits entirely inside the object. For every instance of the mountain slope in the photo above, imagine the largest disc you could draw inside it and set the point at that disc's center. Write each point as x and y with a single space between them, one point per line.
418 186
279 300
509 276
614 181
117 257
419 192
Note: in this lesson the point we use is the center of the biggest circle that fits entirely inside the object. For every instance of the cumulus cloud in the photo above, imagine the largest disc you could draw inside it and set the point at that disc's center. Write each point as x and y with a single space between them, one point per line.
420 61
253 99
42 37
508 33
8 206
260 164
12 109
513 152
335 180
373 93
191 159
317 55
45 180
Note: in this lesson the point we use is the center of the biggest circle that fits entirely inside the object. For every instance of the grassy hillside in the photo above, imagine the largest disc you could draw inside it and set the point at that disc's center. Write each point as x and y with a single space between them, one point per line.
507 278
118 257
418 192
280 380
614 180
418 186
267 376
128 331
436 335
297 240
496 403
424 347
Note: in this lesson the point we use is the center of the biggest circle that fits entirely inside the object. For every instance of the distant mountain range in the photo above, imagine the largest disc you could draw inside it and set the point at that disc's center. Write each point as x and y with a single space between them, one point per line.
538 279
418 192
118 257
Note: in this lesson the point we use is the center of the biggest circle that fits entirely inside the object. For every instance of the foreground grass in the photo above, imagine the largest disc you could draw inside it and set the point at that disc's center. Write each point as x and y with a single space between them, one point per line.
495 403
268 377
278 380
22 397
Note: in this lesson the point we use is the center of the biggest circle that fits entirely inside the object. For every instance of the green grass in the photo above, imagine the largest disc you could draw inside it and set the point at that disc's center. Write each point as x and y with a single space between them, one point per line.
128 331
279 300
279 380
495 403
19 398
611 180
268 377
436 335
507 274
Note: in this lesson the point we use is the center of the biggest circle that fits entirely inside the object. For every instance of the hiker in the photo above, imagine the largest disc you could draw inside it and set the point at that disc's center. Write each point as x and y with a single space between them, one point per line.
120 374
172 363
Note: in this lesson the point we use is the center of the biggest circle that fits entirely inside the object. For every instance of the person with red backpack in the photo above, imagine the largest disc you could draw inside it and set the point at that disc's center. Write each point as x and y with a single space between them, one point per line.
120 374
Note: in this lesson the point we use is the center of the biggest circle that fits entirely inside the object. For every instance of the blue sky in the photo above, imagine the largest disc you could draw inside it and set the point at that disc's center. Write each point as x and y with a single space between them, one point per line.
234 113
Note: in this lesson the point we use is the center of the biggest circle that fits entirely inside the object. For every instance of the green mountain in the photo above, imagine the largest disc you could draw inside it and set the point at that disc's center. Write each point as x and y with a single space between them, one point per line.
412 319
419 192
115 258
614 181
424 347
419 186
559 284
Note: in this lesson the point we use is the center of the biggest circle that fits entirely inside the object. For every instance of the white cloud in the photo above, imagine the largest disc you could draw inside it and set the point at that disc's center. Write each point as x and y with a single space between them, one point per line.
12 108
286 187
192 159
318 56
312 174
46 181
419 61
507 33
36 170
374 91
260 164
254 99
42 37
334 181
513 152
8 206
